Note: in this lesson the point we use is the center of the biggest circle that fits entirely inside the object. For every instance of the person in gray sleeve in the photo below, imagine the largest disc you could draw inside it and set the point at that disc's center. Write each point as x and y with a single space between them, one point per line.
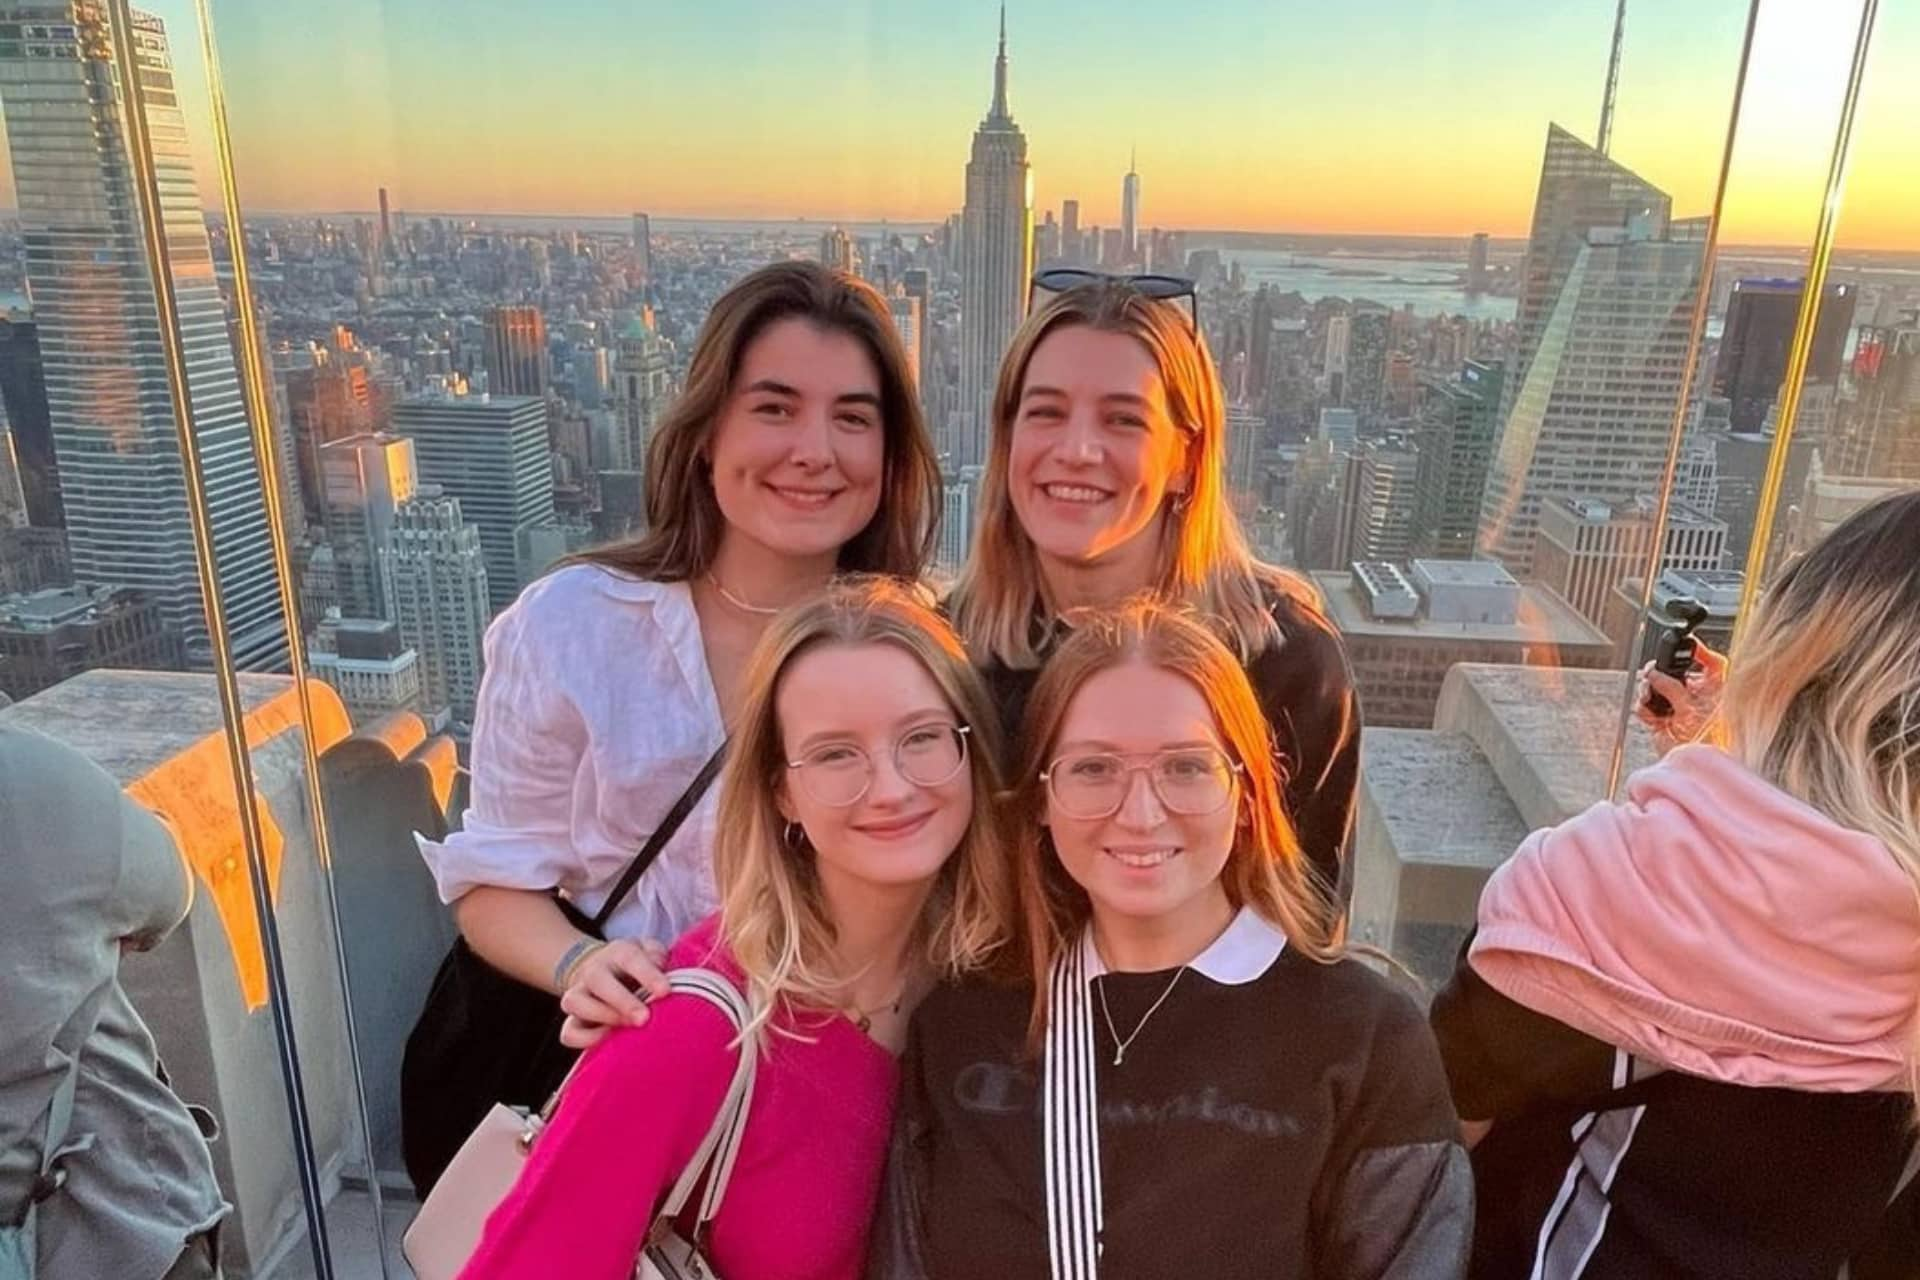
103 1169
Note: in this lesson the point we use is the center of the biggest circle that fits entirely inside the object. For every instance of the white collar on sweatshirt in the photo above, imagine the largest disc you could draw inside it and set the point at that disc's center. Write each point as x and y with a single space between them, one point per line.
1243 953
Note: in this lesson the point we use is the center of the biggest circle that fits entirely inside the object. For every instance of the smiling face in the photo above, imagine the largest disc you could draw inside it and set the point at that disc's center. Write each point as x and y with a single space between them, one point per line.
799 454
838 702
1144 863
1095 453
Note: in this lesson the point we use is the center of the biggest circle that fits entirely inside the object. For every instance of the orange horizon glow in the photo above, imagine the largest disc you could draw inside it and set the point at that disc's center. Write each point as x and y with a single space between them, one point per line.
1315 124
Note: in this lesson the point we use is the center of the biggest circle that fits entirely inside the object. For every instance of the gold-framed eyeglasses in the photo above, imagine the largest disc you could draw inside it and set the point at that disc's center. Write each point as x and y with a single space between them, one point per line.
1190 781
841 773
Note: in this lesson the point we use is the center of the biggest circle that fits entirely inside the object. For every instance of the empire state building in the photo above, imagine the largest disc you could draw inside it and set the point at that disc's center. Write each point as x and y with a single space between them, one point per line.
996 259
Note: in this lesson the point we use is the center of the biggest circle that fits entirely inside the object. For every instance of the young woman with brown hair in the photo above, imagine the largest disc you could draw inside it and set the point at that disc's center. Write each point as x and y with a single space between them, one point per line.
797 451
1188 1078
1106 478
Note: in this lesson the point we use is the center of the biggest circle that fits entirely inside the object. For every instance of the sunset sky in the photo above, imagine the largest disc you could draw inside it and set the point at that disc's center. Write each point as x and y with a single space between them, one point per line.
1391 116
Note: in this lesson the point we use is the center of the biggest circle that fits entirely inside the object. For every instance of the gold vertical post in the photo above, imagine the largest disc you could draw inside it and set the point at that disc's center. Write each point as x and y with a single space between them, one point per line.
259 414
1794 381
153 228
1702 298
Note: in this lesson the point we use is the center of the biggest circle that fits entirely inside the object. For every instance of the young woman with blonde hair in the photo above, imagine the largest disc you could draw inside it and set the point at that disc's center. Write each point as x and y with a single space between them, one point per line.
1189 1079
796 451
859 858
1686 1033
1106 477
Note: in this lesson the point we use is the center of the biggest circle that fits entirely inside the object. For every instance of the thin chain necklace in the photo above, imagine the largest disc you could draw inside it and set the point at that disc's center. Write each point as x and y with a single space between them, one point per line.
863 1018
759 611
1120 1046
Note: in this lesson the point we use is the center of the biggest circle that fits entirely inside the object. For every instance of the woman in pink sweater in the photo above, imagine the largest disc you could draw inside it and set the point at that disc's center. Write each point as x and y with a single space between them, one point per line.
1686 1035
854 868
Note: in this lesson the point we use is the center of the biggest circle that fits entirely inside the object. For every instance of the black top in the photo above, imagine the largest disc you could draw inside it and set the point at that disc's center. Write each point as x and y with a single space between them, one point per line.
1291 1125
1306 689
1630 1173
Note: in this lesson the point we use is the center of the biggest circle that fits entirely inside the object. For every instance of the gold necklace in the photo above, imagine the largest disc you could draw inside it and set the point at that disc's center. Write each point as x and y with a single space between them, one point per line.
759 611
863 1018
1120 1046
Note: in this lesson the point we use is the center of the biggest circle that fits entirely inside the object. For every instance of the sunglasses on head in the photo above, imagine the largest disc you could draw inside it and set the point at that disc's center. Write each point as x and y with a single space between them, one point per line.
1157 287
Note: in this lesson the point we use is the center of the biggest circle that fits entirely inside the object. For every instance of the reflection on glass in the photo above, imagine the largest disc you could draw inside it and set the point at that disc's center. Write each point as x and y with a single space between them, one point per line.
1857 434
121 488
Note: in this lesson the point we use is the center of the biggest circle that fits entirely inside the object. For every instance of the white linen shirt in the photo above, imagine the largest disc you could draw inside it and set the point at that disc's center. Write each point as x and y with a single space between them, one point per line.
595 712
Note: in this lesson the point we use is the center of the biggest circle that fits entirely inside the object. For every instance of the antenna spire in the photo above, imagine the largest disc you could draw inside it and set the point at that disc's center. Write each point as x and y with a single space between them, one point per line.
1605 139
999 110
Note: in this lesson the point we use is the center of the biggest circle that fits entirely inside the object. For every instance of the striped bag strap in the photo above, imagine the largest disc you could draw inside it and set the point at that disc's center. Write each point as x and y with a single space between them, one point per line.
721 1146
1070 1112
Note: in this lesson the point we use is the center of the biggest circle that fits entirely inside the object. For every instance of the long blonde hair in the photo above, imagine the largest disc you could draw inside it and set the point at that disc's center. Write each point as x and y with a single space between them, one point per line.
1265 870
1203 555
684 521
772 916
1823 691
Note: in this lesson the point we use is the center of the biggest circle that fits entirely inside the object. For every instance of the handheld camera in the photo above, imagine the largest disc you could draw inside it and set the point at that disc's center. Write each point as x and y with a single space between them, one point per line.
1673 654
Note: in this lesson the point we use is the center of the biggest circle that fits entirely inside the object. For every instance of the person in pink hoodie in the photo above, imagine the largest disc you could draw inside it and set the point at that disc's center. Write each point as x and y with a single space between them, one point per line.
1685 1036
858 859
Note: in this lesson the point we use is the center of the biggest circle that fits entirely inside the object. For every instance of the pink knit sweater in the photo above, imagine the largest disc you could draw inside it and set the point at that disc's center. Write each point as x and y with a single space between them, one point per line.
809 1169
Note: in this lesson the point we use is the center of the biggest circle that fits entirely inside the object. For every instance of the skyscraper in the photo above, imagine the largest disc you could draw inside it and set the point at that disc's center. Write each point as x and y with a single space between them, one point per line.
905 310
364 479
1587 548
996 257
1604 319
1384 488
1580 188
516 354
1070 250
918 283
1458 423
1761 315
13 499
642 385
328 401
1367 347
490 452
836 250
1878 432
1477 263
1130 209
111 407
386 227
23 387
641 277
434 575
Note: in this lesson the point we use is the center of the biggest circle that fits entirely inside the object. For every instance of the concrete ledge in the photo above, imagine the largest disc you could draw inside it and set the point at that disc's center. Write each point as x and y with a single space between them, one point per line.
1433 823
1513 749
1547 732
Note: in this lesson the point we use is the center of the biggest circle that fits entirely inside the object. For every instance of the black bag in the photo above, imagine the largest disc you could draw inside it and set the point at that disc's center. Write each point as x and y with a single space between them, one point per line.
483 1037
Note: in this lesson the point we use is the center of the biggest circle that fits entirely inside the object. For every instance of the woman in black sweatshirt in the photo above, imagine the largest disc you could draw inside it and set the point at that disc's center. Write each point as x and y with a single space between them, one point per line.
1187 1078
1106 477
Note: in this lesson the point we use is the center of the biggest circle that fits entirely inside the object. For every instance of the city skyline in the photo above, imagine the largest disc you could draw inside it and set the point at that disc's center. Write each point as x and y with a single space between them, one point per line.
1450 108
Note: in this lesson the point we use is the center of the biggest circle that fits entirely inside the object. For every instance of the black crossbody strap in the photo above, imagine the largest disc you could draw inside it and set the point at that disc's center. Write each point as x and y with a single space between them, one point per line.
658 840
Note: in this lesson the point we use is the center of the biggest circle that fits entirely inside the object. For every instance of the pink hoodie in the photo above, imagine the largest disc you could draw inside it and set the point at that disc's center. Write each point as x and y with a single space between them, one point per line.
1715 925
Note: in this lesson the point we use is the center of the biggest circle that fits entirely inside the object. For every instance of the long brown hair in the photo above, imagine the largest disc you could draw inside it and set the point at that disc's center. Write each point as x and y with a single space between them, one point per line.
1265 869
1203 557
684 521
773 918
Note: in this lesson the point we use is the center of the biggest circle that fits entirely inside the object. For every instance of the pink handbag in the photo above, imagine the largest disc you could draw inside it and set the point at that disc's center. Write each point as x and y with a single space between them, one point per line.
446 1231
